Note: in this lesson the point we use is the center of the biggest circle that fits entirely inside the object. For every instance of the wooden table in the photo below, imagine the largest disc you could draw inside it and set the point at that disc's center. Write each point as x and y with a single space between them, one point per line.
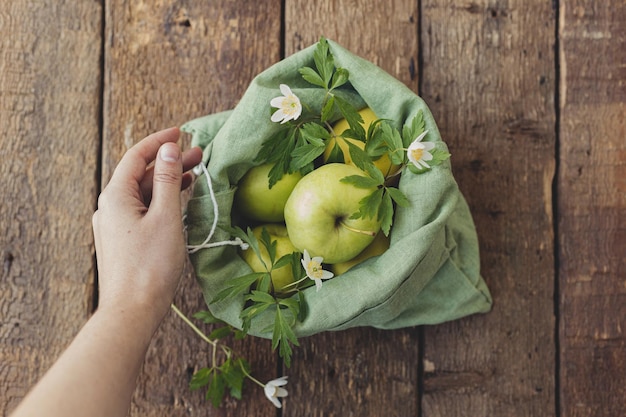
528 94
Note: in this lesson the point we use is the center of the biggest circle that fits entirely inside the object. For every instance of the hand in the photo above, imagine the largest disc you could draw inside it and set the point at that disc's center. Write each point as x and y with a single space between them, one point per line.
138 227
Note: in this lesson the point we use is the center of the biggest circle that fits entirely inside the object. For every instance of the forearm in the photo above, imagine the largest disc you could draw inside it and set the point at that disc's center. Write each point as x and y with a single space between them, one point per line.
96 375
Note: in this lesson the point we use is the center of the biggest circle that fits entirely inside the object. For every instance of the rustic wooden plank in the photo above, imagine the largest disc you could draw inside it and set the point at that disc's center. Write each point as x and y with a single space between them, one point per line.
489 77
49 112
168 62
592 208
360 371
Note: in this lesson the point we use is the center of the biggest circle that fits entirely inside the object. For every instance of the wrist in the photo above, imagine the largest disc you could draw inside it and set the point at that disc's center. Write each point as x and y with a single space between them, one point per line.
140 321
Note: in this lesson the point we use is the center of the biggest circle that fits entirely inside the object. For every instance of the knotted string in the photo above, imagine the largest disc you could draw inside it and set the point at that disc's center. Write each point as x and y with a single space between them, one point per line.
206 244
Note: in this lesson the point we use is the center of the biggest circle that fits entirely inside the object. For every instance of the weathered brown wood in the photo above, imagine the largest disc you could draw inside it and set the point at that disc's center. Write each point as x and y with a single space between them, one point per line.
49 112
168 62
592 208
360 371
488 76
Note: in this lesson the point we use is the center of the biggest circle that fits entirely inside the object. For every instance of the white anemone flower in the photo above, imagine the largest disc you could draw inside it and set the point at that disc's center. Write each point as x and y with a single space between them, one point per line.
288 105
313 268
274 390
419 152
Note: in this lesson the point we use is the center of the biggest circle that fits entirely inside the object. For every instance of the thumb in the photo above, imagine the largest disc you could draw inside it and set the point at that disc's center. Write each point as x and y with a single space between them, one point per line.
168 173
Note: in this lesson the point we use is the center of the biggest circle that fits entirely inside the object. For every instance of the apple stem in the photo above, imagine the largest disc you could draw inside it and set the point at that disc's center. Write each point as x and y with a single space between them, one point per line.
352 229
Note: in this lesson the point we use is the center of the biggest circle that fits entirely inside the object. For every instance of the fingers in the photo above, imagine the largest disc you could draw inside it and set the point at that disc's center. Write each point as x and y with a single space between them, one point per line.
191 158
167 179
134 162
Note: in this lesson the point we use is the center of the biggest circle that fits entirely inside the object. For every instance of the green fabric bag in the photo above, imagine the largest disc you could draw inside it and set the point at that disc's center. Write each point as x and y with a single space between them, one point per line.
430 274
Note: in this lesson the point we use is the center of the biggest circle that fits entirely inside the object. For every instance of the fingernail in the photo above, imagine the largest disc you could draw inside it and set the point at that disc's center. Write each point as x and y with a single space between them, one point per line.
169 152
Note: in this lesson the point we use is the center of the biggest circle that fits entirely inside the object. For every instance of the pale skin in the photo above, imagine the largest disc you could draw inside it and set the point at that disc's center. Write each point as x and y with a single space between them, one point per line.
138 218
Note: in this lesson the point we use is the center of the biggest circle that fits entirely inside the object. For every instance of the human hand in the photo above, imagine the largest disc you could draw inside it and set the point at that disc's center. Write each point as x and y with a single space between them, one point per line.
138 226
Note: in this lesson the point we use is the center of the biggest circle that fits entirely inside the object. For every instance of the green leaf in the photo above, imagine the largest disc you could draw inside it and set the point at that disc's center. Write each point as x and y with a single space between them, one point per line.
375 146
360 181
385 214
375 173
277 149
292 304
303 311
324 62
314 133
234 376
220 333
270 246
417 170
439 156
359 157
200 378
413 129
354 119
398 196
261 297
283 261
283 337
340 77
305 155
369 205
254 310
267 152
265 283
336 155
206 317
237 286
296 265
215 392
310 75
392 139
327 110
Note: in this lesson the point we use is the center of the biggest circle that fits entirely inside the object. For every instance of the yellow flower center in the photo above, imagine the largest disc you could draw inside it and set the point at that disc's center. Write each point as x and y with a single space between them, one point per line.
417 154
289 105
315 268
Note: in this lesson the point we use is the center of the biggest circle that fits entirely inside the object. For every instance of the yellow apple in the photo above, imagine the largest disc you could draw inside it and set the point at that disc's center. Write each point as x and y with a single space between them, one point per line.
278 233
383 163
256 201
378 246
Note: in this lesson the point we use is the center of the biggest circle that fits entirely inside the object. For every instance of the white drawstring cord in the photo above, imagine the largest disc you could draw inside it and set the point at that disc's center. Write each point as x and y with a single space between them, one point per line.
206 244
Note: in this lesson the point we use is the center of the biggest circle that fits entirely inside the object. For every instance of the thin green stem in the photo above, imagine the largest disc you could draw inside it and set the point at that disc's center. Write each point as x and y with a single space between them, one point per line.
251 378
294 283
193 326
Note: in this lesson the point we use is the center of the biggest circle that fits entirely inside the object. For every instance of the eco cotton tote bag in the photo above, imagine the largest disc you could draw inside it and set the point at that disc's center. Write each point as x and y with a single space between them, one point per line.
430 273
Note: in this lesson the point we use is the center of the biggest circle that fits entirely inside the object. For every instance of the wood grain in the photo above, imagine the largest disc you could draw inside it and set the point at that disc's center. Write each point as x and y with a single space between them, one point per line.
49 113
592 208
361 371
489 78
168 62
488 71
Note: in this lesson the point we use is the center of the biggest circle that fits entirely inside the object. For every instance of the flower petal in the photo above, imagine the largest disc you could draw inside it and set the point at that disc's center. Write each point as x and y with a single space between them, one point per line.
277 102
429 145
285 90
279 382
327 274
277 116
421 136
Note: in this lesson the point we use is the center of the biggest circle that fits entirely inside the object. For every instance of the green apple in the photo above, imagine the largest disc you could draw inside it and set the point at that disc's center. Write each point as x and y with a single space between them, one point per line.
257 201
378 246
317 214
383 163
281 276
